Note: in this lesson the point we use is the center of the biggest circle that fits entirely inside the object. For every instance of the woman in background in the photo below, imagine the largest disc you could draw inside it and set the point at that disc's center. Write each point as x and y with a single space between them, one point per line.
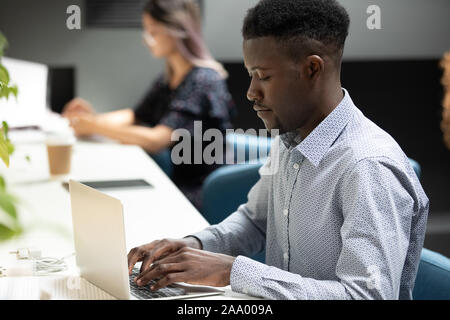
445 124
192 88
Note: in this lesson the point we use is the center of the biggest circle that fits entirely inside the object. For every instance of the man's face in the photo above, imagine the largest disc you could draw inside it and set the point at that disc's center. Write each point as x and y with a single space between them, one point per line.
278 88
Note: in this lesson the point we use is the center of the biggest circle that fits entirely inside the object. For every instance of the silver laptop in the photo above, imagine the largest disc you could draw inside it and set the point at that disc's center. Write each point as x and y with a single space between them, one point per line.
101 255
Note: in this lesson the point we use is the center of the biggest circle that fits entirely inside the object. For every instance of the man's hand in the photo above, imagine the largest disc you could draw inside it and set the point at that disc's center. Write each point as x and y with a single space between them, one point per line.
189 265
155 250
180 260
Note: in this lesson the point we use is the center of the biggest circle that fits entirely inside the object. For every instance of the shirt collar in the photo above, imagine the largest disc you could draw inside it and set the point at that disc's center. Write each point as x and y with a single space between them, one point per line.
319 141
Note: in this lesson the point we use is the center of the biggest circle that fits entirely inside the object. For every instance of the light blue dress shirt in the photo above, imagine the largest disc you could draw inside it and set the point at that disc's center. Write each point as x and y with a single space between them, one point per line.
342 215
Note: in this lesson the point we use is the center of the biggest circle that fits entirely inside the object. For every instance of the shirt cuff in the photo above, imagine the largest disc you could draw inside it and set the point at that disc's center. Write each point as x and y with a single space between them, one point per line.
208 240
247 276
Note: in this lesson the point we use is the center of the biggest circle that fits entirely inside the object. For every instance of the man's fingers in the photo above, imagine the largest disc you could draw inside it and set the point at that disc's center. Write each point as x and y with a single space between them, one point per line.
146 263
169 279
163 248
158 271
137 254
133 257
176 257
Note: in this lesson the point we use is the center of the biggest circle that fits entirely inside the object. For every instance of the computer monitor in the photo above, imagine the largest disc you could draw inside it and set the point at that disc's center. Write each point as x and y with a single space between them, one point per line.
31 103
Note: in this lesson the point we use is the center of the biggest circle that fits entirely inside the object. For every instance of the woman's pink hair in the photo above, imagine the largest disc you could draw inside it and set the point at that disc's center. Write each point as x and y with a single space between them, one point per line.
183 21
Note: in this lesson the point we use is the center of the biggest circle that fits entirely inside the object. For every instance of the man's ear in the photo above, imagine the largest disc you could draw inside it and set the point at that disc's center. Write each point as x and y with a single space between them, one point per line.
314 67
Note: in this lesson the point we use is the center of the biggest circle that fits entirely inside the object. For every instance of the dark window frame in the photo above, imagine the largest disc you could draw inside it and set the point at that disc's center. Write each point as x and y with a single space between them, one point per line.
116 13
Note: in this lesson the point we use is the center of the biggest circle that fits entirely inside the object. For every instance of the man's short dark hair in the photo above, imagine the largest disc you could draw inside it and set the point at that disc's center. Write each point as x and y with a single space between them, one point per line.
319 26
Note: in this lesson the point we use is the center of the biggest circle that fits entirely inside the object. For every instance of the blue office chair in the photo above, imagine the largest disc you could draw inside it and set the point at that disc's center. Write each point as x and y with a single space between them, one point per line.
416 167
164 161
247 148
227 187
433 277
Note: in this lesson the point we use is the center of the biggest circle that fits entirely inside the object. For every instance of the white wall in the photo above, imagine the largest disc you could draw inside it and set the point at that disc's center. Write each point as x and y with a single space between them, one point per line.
410 28
114 69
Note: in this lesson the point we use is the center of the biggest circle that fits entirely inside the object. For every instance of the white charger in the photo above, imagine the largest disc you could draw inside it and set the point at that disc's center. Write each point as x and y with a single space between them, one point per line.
27 253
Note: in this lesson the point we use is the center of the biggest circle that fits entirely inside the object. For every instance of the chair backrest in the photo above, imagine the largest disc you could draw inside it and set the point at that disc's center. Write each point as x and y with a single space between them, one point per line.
164 161
246 147
226 188
416 167
433 277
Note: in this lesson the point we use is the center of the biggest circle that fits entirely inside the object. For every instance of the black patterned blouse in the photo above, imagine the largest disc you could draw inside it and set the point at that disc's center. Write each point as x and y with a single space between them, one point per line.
201 96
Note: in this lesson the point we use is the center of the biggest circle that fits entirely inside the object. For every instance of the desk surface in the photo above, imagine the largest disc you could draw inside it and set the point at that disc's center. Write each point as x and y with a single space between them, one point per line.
150 214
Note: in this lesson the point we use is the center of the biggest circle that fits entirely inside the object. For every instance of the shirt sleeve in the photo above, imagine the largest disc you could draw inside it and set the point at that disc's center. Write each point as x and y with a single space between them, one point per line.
377 206
244 231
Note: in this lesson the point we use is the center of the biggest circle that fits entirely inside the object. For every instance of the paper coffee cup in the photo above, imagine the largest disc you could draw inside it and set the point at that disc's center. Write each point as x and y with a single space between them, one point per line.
59 151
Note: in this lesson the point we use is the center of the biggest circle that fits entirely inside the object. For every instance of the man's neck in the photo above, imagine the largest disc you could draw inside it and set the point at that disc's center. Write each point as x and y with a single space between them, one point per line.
324 107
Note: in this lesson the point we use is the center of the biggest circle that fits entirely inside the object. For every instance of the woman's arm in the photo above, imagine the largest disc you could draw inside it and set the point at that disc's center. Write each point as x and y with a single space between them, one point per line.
124 117
78 107
152 139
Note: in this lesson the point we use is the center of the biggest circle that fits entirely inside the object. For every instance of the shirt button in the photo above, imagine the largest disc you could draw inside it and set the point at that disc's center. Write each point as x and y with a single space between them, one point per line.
296 166
285 256
285 212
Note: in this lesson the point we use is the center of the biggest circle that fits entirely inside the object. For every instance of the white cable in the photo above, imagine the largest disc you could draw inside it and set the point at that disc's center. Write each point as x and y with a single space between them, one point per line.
41 266
48 265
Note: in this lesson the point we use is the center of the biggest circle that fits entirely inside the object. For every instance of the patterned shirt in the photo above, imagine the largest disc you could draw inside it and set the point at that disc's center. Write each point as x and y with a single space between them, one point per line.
342 215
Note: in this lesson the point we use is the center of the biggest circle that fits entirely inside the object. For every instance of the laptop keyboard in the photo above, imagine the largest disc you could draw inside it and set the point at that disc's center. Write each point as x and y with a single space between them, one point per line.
145 293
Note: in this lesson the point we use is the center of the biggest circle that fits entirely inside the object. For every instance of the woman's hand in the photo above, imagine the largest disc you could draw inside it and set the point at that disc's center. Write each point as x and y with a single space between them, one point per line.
77 107
83 124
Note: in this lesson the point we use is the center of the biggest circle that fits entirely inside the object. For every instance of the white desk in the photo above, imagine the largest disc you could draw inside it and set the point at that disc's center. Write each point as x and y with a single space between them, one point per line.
150 214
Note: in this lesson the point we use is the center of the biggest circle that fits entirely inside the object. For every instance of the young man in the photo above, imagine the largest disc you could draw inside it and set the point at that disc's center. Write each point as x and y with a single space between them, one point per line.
343 216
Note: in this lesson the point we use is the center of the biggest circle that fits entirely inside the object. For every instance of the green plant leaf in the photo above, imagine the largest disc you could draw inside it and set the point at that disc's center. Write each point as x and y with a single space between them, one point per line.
14 90
7 233
5 128
10 147
2 184
3 44
4 151
4 75
4 92
8 205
